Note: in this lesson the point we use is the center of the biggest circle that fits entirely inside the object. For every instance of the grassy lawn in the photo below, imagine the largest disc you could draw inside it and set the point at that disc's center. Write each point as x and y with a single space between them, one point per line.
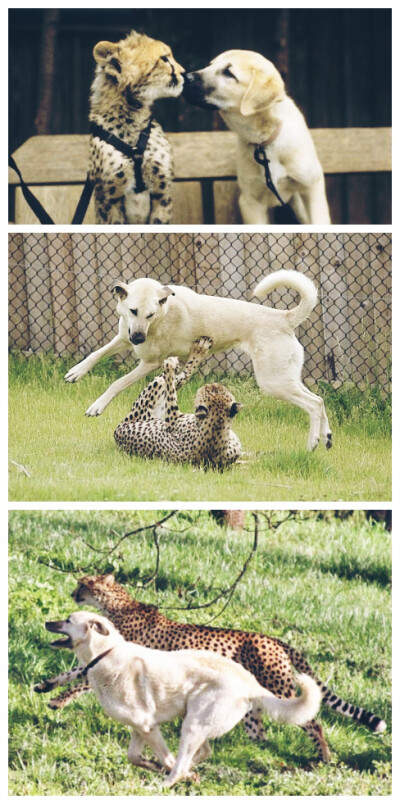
319 583
71 457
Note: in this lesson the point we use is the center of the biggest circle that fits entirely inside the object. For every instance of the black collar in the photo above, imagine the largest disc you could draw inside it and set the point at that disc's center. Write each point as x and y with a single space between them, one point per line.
94 661
132 152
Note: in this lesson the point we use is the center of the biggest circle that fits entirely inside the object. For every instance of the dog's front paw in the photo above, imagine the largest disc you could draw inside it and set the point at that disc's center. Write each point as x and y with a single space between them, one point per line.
96 409
75 373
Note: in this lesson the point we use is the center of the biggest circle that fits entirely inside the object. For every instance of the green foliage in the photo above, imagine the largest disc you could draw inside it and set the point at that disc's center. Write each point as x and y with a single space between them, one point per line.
316 582
70 457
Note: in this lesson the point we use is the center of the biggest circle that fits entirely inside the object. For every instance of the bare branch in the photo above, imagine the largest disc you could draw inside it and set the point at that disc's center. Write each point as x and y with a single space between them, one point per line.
225 593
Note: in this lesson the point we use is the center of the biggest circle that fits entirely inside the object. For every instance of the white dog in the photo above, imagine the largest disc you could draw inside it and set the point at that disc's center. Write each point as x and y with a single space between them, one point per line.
143 688
250 95
160 322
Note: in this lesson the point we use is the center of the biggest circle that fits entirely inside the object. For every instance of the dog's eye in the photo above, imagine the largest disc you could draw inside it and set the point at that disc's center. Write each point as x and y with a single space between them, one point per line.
165 58
134 312
150 315
228 73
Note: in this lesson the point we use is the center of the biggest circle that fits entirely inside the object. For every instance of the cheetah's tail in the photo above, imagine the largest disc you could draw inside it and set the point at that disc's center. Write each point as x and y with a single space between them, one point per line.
357 713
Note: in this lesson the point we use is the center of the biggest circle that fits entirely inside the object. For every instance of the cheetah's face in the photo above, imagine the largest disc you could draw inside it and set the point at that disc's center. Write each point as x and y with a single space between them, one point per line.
142 68
213 397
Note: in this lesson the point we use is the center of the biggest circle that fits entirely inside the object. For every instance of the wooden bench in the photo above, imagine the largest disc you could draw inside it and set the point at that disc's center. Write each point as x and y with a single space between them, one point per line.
205 189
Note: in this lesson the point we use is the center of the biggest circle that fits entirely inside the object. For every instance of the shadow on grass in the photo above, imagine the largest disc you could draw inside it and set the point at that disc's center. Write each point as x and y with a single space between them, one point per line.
345 566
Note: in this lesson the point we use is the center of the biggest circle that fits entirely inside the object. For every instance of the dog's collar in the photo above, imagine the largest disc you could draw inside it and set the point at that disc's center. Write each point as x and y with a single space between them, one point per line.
270 139
132 152
95 661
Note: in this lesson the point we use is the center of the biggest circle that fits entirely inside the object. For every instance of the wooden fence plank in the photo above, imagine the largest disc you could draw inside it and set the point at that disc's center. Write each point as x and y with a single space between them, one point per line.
60 201
63 158
187 202
38 293
18 317
226 202
63 298
88 302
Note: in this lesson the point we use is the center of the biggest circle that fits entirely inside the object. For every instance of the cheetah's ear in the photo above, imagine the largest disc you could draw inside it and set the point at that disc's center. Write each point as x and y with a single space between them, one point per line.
109 580
165 292
100 627
235 407
120 289
106 54
201 412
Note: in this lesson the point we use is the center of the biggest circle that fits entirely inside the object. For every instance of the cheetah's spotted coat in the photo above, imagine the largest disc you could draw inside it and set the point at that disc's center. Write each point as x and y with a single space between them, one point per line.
130 76
204 437
269 659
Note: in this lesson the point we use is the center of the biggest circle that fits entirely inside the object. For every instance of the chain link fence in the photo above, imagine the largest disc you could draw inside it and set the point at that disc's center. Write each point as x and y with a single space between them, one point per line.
60 300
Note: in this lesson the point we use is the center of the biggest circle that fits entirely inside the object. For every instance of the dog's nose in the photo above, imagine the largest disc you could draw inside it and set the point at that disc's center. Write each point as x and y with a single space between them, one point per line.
137 337
190 79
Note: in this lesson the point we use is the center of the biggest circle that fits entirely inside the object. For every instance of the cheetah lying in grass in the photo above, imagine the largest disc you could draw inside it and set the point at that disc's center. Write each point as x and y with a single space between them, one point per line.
270 660
130 76
155 428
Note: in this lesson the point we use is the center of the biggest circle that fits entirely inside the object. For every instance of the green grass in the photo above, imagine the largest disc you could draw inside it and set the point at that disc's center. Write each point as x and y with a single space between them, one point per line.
71 457
319 583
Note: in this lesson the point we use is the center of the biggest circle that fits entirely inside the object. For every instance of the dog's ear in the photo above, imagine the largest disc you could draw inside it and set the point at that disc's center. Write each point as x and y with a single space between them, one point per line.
120 289
100 627
234 409
261 92
165 292
107 55
201 412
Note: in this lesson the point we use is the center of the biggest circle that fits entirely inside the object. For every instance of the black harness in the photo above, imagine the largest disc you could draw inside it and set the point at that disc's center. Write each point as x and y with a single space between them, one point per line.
135 153
132 152
261 158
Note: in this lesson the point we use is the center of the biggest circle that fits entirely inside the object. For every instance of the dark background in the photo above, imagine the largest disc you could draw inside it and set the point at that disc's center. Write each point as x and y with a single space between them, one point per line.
336 63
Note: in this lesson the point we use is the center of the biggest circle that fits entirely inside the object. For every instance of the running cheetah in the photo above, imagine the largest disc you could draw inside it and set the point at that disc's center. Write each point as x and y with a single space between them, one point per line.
269 659
204 437
130 76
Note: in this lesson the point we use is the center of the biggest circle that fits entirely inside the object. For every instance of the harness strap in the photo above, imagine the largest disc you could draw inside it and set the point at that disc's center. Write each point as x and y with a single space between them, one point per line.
135 153
94 661
83 202
30 198
261 158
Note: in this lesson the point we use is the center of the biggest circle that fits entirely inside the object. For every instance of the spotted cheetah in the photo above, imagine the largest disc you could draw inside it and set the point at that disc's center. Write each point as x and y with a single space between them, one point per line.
204 437
269 659
130 76
151 403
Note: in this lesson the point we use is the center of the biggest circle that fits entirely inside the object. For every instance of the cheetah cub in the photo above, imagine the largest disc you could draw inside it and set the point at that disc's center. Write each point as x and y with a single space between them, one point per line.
203 437
130 76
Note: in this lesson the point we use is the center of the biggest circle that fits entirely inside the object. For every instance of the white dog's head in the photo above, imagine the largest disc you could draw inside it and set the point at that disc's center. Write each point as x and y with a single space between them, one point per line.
141 303
239 81
83 630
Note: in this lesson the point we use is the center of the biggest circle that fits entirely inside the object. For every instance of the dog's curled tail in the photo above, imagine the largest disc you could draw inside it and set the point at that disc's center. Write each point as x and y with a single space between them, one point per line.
294 280
297 710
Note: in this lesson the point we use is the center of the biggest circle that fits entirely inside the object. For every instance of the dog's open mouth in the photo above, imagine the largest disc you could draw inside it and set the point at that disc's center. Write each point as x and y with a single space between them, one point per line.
57 627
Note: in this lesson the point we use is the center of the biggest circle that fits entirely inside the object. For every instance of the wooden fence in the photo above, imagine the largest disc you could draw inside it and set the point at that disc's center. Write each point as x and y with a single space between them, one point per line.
60 300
